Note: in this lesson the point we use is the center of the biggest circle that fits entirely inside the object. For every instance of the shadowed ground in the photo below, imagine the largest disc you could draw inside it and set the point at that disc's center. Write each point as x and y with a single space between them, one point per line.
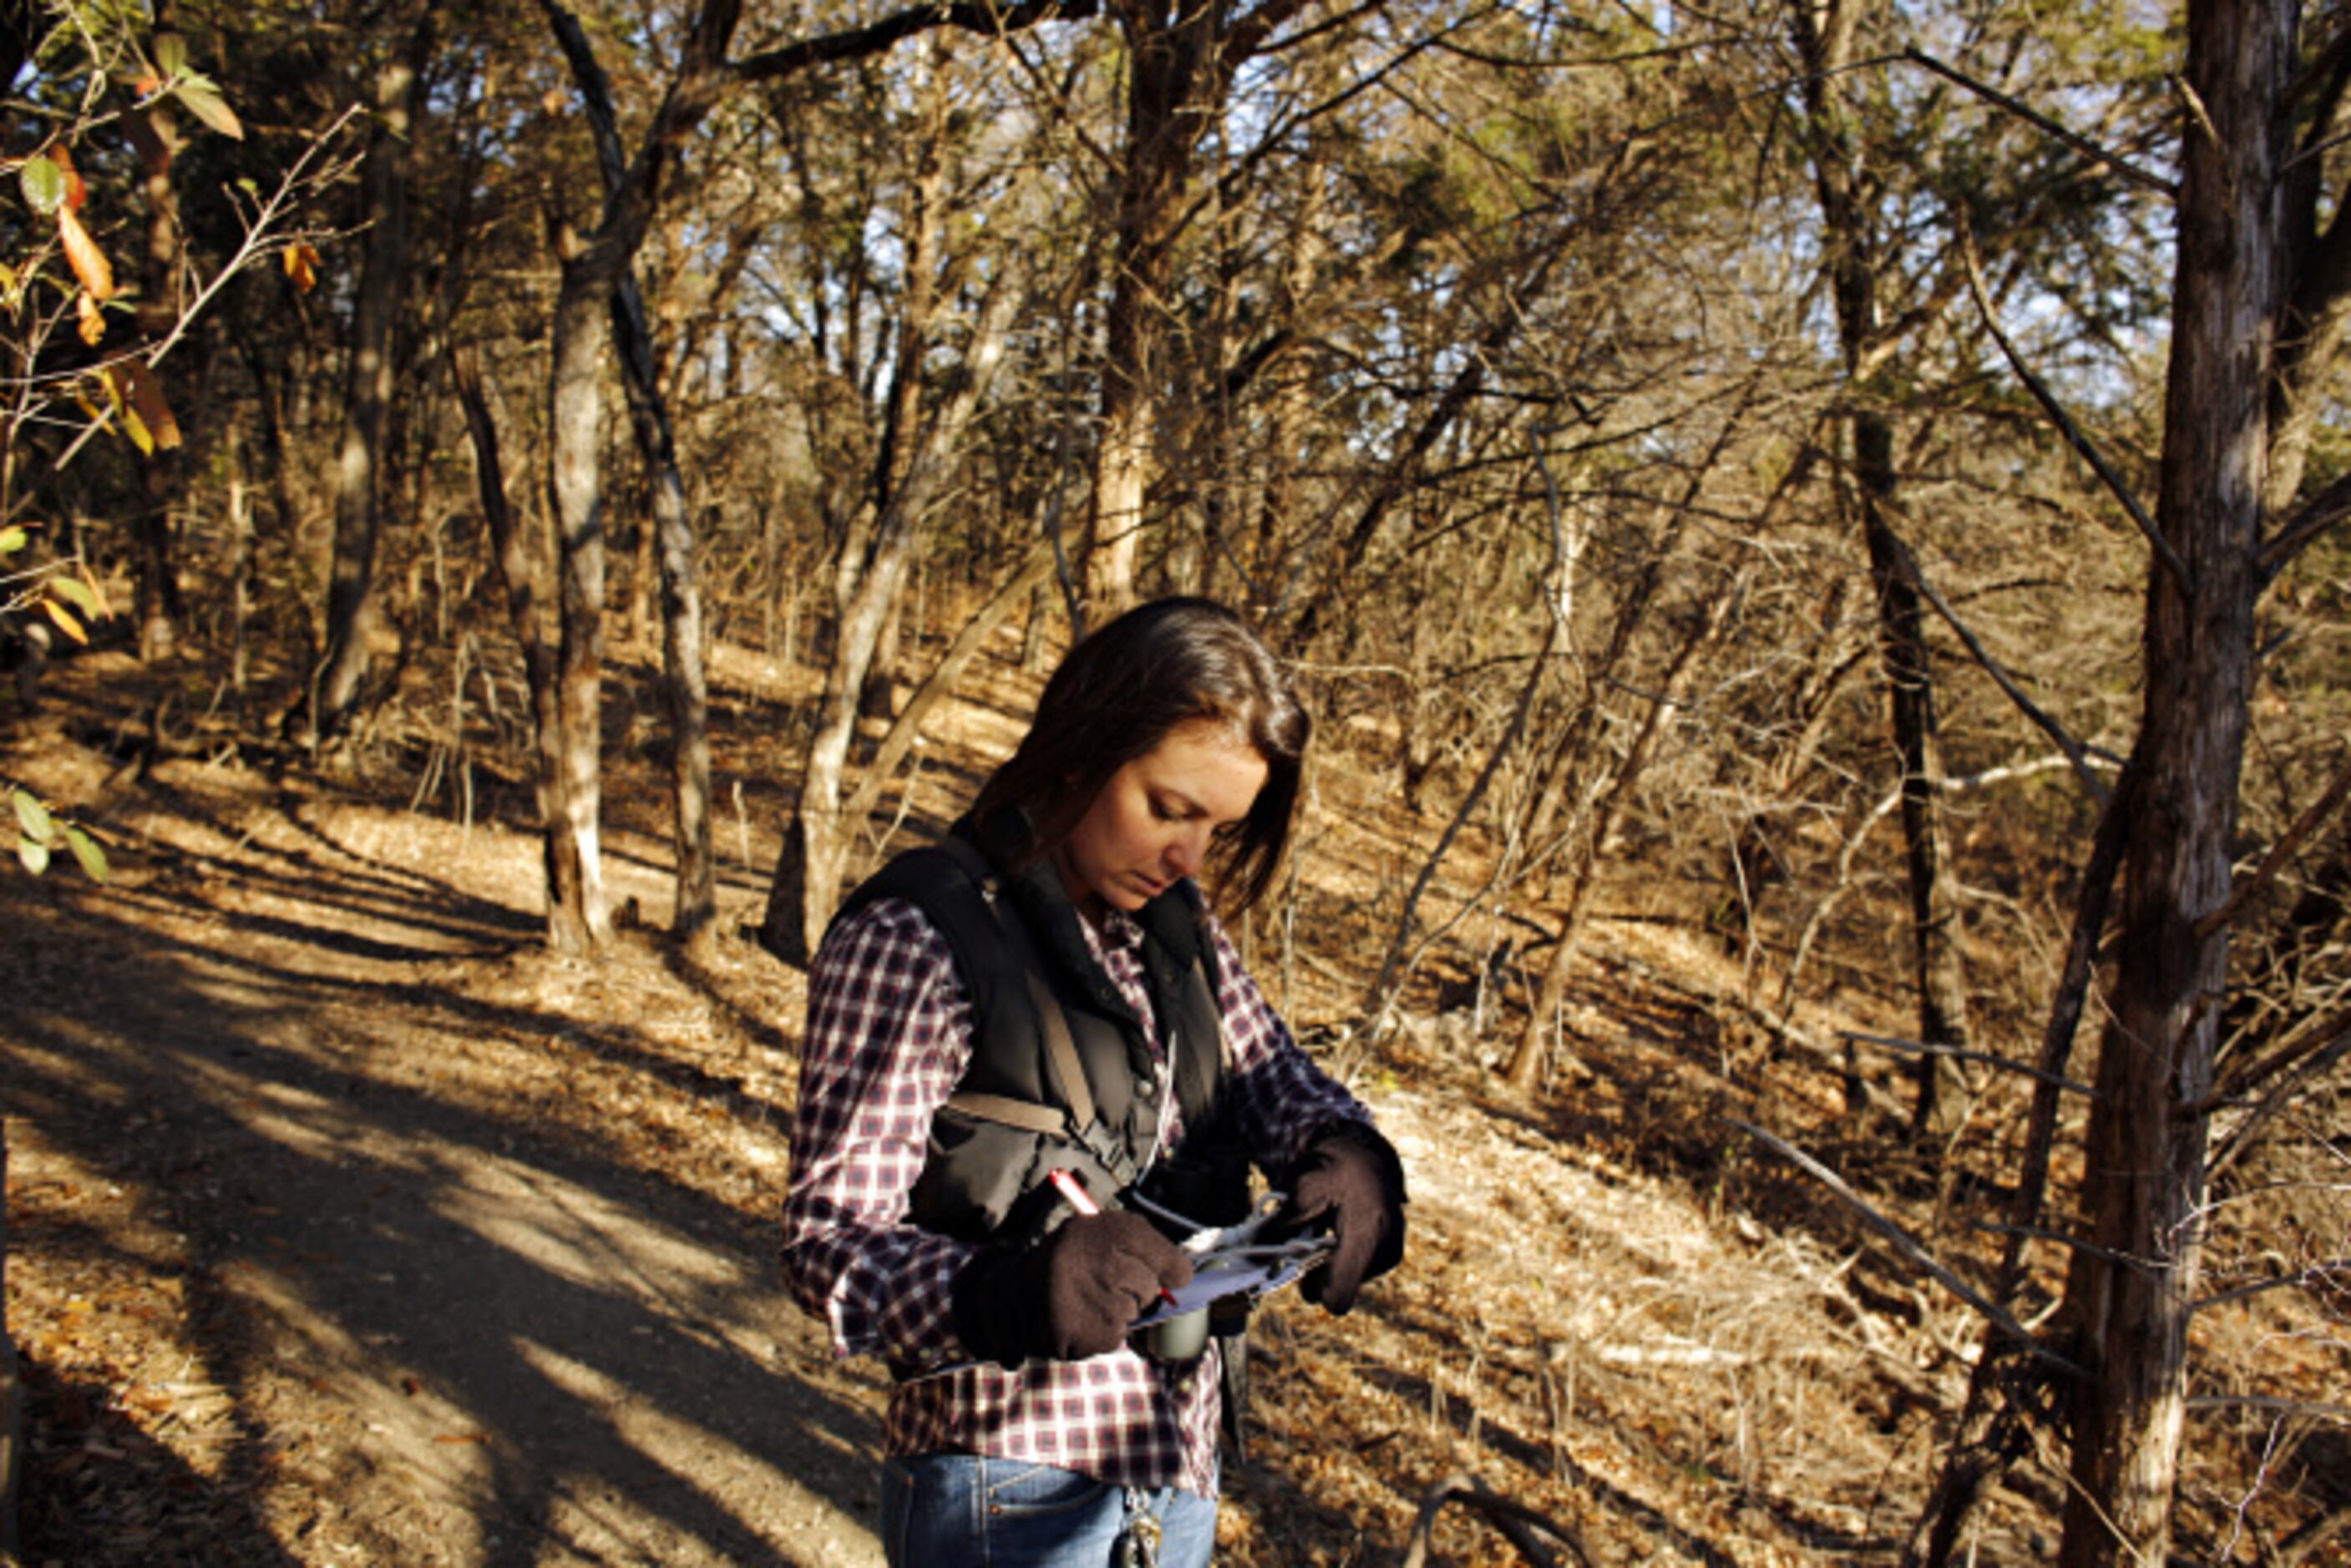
378 1152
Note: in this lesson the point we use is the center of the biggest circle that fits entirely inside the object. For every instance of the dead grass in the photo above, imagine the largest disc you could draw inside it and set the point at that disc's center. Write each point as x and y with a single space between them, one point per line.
1617 1310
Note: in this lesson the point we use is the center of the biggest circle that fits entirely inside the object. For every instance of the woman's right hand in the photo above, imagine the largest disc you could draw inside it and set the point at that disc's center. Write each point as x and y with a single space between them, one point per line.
1073 1295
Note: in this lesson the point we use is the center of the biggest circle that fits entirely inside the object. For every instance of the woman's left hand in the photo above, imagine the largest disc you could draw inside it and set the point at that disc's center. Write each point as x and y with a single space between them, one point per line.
1351 1176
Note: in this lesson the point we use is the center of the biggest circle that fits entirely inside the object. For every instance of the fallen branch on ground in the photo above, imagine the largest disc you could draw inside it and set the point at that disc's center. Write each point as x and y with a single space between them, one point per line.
1516 1521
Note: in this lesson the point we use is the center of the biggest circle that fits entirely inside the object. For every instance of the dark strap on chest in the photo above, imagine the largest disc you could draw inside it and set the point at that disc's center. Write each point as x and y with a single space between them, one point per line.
1061 1049
986 914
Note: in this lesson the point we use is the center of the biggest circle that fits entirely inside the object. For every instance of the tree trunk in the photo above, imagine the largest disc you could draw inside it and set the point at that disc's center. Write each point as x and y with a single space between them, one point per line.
820 831
157 604
240 560
1936 968
1162 130
1825 40
685 681
594 269
358 457
1180 66
578 920
523 579
1527 1058
669 549
2143 1171
2009 1394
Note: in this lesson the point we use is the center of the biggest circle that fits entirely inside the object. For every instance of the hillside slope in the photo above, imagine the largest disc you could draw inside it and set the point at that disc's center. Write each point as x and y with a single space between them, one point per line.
348 1225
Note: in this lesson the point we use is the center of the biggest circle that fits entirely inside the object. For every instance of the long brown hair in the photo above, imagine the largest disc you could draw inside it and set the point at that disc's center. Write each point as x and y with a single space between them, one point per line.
1171 662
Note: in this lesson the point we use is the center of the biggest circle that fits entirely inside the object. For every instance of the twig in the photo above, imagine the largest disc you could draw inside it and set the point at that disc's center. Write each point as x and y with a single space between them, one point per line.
2056 411
1509 1517
2305 824
2297 1047
257 233
1908 1248
2072 1244
2075 752
2324 1412
2332 1042
2305 1277
1382 997
2294 1548
2309 520
1919 1048
2072 139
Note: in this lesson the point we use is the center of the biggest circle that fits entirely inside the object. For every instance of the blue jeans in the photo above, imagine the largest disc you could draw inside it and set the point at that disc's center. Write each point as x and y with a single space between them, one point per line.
961 1511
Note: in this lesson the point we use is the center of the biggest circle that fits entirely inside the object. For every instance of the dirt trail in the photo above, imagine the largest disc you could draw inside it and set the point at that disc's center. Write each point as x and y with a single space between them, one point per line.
306 1057
351 1227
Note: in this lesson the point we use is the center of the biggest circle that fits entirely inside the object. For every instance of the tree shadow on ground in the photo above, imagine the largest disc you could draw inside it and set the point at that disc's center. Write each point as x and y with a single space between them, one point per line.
530 1349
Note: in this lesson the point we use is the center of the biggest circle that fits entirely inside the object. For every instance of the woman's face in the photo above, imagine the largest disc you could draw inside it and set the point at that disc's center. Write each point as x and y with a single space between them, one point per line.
1150 825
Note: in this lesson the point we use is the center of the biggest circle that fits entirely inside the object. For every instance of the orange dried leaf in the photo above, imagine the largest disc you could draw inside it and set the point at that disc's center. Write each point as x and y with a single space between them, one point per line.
90 321
147 396
76 192
65 622
302 265
88 263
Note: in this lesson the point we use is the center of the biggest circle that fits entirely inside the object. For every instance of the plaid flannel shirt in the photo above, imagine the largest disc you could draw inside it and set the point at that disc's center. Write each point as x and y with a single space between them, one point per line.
889 1035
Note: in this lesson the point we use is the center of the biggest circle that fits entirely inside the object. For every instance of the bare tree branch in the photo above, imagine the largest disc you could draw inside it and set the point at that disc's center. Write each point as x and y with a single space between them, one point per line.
2299 1044
2305 1277
2075 752
1919 1048
2312 518
2056 411
2324 1412
2072 139
1906 1247
1512 1518
2305 824
878 37
2332 1042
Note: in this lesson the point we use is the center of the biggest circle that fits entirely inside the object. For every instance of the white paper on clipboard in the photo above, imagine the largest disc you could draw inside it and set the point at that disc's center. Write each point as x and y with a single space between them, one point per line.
1215 1282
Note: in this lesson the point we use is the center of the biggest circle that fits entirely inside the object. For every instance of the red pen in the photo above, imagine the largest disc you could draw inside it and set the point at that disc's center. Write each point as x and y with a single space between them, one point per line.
1072 1189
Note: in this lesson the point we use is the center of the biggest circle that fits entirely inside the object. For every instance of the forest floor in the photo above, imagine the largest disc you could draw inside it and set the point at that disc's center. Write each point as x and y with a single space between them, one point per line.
348 1225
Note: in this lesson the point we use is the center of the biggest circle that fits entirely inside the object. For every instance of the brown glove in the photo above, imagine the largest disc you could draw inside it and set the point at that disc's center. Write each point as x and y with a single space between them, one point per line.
1351 1176
1073 1295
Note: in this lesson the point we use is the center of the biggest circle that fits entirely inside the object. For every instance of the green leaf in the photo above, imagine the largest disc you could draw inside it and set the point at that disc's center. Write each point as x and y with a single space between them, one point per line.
86 850
75 592
209 107
170 53
44 184
32 817
36 856
12 539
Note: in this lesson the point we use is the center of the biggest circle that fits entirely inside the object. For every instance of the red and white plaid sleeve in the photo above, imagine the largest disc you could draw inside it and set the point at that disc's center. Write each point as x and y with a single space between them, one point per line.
889 1036
1281 1095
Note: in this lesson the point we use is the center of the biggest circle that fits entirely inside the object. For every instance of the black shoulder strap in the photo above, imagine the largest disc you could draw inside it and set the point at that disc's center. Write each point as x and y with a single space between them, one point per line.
1061 1049
961 891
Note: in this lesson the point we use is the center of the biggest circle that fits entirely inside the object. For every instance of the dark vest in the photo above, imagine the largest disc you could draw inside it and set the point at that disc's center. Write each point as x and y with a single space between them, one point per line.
1061 1073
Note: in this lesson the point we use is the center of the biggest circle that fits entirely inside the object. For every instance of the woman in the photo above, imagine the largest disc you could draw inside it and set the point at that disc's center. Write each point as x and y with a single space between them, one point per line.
1041 1018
